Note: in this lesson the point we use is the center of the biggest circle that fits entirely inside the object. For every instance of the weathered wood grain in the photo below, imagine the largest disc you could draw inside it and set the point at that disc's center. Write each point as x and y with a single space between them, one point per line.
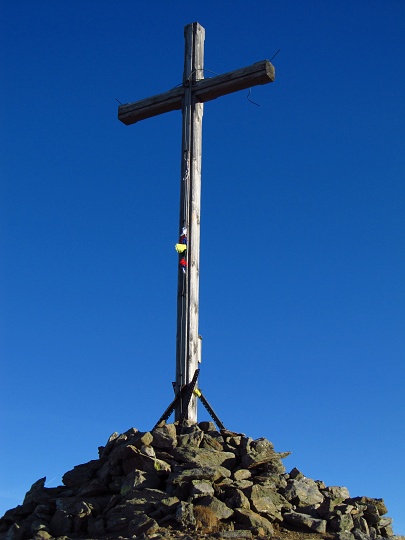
203 90
260 73
187 342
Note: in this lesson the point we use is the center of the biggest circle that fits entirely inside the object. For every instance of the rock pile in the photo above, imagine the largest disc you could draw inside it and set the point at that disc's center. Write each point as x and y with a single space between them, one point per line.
190 478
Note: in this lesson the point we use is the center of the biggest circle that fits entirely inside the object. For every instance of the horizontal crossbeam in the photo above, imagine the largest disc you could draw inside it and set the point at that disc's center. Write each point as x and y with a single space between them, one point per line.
204 90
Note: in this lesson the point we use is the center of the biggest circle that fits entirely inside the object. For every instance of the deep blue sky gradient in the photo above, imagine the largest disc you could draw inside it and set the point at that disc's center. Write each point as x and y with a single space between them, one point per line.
302 249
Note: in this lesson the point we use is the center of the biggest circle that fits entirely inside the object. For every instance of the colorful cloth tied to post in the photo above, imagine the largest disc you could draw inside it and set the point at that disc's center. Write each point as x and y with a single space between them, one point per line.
183 236
180 248
183 264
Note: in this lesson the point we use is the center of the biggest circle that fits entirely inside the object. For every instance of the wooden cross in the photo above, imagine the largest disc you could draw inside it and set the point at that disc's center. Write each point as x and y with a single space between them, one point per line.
189 97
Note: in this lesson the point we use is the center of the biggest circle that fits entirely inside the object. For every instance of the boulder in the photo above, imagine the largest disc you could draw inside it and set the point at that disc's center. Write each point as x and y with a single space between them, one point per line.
165 437
235 498
336 493
142 524
340 522
36 488
260 452
208 427
265 501
132 458
305 522
201 488
211 443
137 479
61 523
378 503
81 474
202 457
252 520
303 492
185 515
242 474
219 508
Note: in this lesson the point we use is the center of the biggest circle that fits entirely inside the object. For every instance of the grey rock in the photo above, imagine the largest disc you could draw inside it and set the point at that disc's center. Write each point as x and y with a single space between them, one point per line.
167 506
295 474
81 474
42 534
44 512
142 524
243 484
372 515
202 457
242 474
165 437
132 458
139 438
310 509
303 492
235 498
200 487
211 443
219 508
340 523
119 516
93 488
36 487
343 508
103 451
385 522
261 451
68 504
344 536
148 450
39 525
207 427
187 475
387 531
360 535
305 522
251 519
16 532
327 506
266 501
61 523
188 440
139 480
336 493
360 523
185 515
378 503
18 513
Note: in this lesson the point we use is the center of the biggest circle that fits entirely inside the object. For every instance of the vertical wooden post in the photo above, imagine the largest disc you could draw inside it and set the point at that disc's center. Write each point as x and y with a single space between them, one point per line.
187 341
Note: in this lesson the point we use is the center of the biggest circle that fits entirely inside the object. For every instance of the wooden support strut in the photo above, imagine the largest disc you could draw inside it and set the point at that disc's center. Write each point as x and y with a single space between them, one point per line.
185 394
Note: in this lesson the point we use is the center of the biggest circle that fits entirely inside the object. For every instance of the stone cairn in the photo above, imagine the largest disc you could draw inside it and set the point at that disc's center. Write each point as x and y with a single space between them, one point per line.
177 481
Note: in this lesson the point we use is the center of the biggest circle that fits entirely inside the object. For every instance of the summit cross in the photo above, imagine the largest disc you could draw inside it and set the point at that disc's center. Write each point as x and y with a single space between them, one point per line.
190 97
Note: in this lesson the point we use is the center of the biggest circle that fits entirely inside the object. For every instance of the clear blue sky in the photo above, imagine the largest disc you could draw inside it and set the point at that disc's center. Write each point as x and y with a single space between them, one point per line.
302 259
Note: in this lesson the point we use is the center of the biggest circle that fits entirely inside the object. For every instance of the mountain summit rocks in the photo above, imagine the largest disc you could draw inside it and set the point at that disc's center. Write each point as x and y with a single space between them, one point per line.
177 481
